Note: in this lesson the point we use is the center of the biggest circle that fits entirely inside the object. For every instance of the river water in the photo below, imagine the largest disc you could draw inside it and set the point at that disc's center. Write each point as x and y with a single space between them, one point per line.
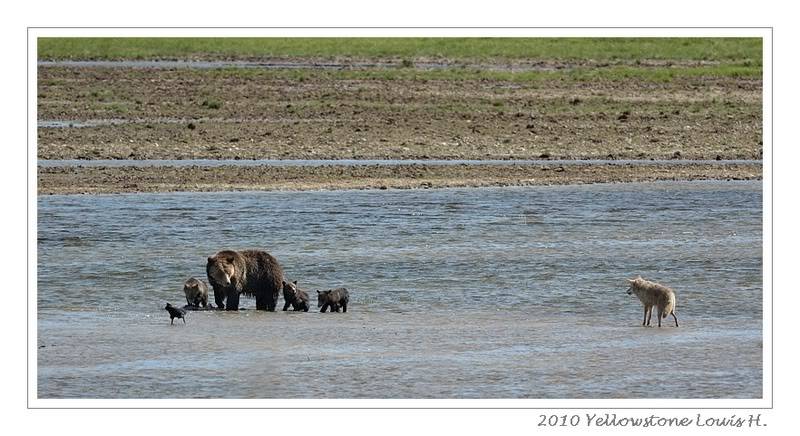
455 293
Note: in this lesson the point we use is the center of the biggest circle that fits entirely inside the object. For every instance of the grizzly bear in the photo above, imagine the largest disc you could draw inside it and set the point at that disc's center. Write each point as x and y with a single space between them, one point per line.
335 298
196 292
295 297
250 272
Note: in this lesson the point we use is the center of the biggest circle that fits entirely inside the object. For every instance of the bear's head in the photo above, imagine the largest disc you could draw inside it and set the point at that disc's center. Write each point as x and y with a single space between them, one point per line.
323 297
191 285
221 269
290 289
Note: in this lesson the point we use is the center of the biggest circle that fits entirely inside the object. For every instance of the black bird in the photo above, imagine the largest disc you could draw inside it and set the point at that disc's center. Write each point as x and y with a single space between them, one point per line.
175 312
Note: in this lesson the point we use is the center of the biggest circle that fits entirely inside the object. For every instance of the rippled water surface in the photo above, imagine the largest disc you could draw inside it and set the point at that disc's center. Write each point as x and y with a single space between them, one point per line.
456 293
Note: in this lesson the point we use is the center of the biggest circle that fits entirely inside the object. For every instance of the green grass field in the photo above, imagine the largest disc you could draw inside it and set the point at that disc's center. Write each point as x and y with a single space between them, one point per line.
738 51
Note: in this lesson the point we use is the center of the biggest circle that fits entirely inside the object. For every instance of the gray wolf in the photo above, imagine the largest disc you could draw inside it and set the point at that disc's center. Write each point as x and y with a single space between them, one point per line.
653 294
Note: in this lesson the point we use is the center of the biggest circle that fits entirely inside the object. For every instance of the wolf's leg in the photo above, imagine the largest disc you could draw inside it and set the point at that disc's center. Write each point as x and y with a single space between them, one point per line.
649 314
676 319
660 315
644 320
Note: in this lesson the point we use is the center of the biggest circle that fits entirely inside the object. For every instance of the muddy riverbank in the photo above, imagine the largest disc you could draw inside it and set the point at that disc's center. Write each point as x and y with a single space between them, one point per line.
367 109
106 179
240 113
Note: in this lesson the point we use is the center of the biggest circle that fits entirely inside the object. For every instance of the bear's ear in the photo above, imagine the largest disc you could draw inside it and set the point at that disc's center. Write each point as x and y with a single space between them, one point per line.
210 259
318 292
295 282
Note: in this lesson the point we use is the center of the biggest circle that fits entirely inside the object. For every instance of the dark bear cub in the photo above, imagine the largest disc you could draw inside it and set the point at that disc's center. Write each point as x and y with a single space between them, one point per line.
250 272
333 298
175 312
295 297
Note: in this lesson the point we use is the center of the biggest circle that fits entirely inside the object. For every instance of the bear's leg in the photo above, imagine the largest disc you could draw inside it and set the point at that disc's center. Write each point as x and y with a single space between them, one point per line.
271 303
305 307
219 298
261 304
286 306
344 306
232 298
324 308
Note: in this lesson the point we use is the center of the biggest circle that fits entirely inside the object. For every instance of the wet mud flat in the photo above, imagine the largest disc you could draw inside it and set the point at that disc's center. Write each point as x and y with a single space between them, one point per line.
113 179
425 354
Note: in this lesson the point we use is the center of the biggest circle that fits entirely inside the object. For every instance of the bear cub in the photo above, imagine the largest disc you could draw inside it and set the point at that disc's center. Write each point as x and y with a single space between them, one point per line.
196 292
175 312
295 297
333 298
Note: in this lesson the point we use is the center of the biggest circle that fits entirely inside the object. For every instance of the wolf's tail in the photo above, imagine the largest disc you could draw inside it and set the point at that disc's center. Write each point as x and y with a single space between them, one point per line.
670 305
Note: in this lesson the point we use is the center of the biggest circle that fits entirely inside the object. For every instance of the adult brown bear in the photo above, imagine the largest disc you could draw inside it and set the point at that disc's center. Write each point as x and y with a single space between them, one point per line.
250 272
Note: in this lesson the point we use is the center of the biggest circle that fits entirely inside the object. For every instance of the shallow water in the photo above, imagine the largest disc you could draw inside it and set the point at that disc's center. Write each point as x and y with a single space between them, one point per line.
456 293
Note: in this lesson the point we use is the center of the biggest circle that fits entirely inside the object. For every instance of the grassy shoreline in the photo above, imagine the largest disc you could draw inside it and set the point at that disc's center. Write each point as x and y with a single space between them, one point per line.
608 49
